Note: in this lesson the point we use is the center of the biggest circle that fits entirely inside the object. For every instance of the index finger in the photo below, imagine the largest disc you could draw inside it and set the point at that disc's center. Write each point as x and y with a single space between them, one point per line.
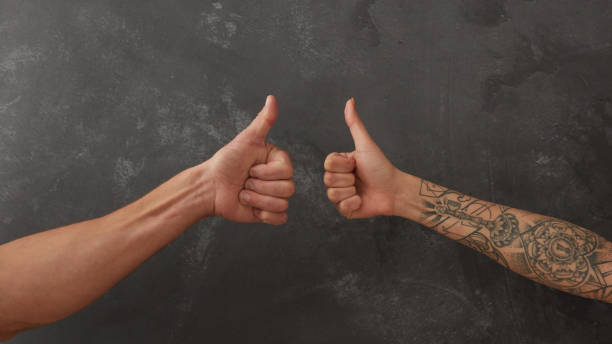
273 170
339 163
277 154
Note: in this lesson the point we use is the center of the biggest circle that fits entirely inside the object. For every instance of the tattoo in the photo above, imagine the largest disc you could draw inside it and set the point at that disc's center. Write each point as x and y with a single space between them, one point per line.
503 230
563 256
481 244
558 253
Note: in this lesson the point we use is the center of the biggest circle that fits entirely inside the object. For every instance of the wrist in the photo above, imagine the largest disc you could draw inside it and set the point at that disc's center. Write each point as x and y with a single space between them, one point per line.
173 206
201 186
406 197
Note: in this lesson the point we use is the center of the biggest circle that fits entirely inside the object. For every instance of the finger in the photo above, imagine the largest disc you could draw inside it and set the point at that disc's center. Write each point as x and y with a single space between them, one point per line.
349 205
340 194
274 170
275 188
264 121
338 180
263 202
339 162
277 154
270 218
362 139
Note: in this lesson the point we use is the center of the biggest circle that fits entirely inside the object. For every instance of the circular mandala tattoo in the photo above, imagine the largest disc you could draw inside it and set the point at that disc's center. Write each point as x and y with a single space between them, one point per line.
556 251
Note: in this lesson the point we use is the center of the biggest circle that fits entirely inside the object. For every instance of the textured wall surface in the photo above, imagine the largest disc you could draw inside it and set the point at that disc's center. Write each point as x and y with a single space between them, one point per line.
510 101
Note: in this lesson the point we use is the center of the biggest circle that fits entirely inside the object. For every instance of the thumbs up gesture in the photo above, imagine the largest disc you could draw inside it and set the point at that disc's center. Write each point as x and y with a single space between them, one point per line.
362 183
253 178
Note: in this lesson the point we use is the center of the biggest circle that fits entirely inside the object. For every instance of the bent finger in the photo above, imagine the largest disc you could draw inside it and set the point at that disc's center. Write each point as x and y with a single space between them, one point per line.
339 162
270 218
273 170
349 205
276 188
263 202
336 195
338 180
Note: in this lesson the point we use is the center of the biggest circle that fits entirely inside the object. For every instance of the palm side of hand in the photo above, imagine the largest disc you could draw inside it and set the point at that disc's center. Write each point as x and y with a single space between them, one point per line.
373 173
361 183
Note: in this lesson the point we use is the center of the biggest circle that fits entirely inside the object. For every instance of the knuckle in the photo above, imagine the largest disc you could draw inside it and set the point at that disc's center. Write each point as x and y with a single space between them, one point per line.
290 188
329 161
288 170
284 154
331 194
327 178
283 205
264 216
342 210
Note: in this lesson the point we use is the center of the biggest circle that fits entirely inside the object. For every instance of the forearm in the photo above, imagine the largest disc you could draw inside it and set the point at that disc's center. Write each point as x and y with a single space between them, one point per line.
50 275
547 250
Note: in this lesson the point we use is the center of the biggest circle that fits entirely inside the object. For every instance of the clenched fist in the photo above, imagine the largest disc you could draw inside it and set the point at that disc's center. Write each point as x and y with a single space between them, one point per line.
362 183
252 178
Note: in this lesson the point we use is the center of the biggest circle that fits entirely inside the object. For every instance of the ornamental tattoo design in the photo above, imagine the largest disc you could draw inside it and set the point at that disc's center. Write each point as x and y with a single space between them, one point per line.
448 204
557 251
552 251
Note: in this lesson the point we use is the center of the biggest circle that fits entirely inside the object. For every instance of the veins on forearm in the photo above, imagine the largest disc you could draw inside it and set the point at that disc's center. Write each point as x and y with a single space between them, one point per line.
548 250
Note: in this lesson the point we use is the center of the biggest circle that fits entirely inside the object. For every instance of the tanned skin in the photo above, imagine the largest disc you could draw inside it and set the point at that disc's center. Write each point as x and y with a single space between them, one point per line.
553 252
47 276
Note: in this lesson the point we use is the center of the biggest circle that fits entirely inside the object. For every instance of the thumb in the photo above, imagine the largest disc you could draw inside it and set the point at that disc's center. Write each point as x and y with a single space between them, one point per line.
264 121
362 139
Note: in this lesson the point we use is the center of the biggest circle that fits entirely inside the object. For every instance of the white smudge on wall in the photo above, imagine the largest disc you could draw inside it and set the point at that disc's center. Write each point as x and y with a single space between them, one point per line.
11 60
125 171
346 287
219 26
549 166
186 121
239 117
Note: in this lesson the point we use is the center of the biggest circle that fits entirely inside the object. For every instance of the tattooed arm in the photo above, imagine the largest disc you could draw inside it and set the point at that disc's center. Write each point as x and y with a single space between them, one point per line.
547 250
550 251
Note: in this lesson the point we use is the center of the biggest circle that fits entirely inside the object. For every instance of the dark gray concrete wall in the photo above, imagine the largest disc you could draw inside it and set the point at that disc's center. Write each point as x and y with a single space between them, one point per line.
510 101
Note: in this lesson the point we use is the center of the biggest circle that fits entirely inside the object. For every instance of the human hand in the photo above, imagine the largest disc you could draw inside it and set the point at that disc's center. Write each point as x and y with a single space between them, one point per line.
362 183
252 178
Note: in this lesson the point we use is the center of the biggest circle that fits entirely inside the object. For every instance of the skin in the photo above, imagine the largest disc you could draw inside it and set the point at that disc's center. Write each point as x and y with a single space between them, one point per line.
553 252
47 276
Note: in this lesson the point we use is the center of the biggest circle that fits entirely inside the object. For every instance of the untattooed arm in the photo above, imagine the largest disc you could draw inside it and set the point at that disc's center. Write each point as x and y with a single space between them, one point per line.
556 253
47 276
